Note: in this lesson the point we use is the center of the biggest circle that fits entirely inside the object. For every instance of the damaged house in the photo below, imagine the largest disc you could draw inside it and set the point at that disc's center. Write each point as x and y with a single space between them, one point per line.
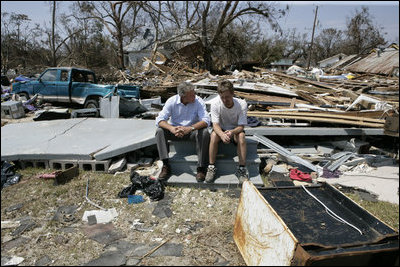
378 61
331 60
181 45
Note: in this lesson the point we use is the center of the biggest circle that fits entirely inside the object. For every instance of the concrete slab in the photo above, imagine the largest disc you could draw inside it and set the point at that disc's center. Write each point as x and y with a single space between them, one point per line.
382 181
79 138
224 181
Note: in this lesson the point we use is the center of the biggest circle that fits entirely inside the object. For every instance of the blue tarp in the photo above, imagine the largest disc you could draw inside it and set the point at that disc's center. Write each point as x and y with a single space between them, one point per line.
22 78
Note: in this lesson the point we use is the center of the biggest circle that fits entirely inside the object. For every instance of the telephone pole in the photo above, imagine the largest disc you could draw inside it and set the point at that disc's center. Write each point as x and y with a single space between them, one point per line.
312 39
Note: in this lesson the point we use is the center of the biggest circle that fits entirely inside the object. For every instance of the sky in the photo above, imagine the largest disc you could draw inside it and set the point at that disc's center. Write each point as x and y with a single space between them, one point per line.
301 14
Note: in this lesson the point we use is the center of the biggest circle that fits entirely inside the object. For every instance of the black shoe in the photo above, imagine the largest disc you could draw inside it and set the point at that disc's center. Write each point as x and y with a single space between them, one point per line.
201 174
165 173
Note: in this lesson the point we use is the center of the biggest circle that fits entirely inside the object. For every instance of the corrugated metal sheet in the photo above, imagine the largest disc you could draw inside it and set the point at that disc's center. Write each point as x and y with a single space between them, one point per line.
338 56
373 63
341 63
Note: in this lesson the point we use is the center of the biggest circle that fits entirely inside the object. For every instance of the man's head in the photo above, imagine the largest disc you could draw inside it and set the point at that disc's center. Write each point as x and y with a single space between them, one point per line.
186 92
226 92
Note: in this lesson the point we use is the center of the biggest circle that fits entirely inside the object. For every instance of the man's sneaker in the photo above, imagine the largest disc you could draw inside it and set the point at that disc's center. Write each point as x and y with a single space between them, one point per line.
210 176
242 174
165 173
201 174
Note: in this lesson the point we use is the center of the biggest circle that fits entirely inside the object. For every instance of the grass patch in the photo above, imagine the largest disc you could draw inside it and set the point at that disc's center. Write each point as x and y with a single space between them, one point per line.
385 211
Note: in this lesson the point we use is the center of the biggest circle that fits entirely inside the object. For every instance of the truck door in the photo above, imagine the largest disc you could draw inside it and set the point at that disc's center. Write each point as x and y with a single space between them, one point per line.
63 87
47 85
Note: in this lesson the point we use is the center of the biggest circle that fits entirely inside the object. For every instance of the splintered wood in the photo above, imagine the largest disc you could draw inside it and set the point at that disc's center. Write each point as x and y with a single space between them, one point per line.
280 96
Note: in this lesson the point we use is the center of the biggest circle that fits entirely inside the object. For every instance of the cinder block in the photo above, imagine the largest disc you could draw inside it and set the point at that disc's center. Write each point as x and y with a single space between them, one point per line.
94 165
44 164
62 164
86 165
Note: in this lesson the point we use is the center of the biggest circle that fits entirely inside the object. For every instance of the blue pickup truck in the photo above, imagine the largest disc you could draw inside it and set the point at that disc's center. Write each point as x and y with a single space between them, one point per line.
72 85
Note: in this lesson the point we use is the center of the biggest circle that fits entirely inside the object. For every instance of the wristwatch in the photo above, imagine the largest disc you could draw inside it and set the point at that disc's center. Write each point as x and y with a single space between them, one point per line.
192 128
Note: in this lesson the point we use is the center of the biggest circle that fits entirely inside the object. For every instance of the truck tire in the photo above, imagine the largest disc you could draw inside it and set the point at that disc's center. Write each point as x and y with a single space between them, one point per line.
23 94
91 103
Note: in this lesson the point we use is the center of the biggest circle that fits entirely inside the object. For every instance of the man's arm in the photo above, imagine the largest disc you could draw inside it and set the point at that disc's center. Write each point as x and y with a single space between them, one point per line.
225 136
166 125
237 130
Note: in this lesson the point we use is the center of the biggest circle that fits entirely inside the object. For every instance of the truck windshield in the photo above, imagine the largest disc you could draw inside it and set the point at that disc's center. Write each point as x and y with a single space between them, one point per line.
49 76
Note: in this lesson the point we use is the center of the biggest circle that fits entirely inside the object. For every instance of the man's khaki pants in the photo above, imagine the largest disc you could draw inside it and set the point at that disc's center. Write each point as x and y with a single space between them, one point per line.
201 137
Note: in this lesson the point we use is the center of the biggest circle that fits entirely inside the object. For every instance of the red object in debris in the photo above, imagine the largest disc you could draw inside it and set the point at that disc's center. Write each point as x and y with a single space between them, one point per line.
295 174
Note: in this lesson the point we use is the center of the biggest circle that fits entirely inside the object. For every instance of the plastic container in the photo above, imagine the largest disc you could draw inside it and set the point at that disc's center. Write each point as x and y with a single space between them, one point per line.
135 199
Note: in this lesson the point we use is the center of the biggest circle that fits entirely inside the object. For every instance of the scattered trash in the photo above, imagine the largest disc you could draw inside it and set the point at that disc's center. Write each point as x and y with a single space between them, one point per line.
253 121
135 199
61 177
330 174
11 261
8 175
52 114
12 110
295 174
151 186
49 175
117 165
102 216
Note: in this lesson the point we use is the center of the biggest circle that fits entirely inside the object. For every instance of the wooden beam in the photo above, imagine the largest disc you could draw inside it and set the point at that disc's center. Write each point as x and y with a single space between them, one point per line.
318 114
320 119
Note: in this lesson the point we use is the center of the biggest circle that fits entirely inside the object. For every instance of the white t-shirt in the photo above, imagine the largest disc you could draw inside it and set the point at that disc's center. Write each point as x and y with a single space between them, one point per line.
229 118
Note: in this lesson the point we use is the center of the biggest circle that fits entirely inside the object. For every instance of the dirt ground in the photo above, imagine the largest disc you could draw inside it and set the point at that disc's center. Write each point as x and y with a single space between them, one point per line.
199 219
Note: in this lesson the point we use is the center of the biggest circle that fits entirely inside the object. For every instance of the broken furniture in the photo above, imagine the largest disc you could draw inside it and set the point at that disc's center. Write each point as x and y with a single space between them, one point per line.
62 177
300 226
65 176
12 110
391 126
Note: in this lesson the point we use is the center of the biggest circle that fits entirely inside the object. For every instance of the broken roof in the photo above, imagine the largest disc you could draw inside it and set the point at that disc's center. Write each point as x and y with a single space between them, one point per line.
384 63
332 57
344 61
141 42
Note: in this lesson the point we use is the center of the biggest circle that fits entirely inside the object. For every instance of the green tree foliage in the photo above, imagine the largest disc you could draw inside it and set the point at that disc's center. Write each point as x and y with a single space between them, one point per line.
93 33
361 34
20 46
328 43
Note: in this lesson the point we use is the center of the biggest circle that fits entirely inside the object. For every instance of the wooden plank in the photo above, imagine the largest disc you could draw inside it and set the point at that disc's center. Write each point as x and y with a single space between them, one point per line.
320 119
307 96
267 98
313 89
154 65
320 114
319 84
348 93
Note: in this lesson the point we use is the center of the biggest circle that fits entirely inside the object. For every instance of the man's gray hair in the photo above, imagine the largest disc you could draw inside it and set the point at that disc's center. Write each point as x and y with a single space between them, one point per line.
184 87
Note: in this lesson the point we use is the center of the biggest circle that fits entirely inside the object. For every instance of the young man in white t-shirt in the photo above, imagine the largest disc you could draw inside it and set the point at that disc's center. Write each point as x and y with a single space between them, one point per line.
228 117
